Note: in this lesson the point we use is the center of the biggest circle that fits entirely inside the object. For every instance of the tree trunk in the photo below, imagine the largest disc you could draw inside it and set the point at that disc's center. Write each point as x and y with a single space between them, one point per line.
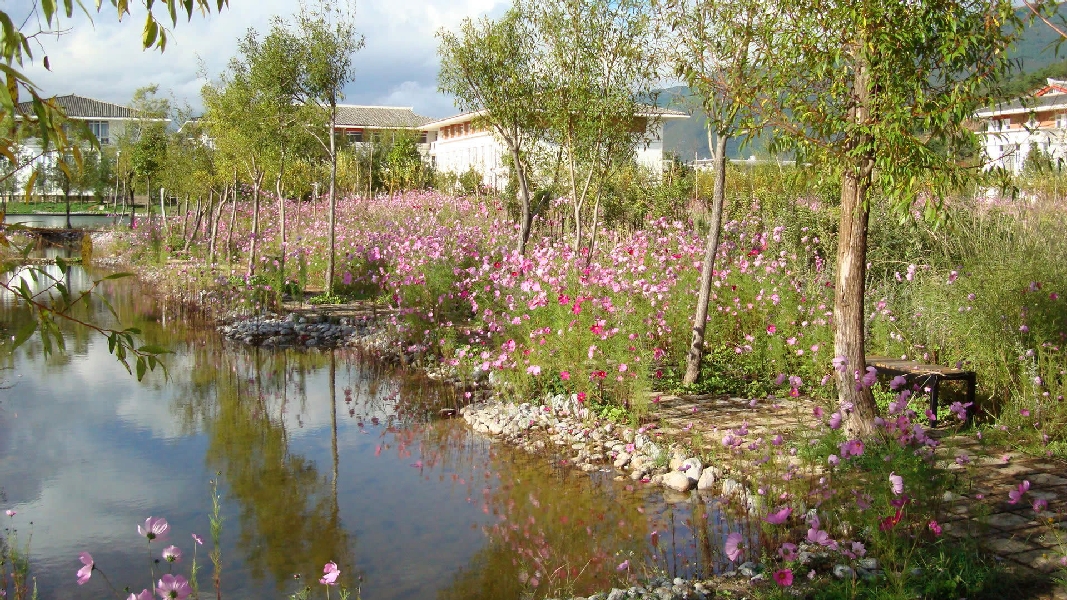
333 199
215 215
163 213
133 203
147 201
66 194
257 182
233 223
524 199
849 311
281 221
700 318
191 236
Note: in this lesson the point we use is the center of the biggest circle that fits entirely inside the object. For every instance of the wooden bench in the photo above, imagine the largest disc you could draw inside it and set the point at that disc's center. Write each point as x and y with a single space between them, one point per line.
930 375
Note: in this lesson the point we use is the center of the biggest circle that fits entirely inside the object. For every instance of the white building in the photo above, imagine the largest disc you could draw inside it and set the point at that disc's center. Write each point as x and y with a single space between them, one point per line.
1011 129
105 120
456 145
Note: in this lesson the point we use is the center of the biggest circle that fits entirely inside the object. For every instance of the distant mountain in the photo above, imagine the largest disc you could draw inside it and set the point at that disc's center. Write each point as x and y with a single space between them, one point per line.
1036 52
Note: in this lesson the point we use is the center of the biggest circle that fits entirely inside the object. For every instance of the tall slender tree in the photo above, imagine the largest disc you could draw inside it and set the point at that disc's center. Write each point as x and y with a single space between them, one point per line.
488 66
597 69
882 90
714 61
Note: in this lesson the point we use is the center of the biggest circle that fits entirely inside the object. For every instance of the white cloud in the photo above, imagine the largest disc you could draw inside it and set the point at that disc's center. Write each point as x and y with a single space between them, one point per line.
104 60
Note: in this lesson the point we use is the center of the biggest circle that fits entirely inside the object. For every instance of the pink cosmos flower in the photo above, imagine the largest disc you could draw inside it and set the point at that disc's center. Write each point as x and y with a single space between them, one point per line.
772 329
835 421
173 587
897 482
788 552
623 565
870 377
144 595
331 573
840 363
833 460
9 513
819 536
934 527
197 539
1040 504
172 554
154 529
897 382
533 370
565 375
1017 494
733 546
784 577
87 569
777 518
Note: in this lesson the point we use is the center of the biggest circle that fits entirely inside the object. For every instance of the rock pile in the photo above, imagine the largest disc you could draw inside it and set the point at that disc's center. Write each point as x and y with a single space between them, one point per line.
295 330
563 423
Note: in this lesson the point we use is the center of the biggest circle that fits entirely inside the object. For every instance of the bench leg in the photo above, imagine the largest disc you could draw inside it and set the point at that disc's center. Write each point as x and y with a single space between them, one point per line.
971 392
934 383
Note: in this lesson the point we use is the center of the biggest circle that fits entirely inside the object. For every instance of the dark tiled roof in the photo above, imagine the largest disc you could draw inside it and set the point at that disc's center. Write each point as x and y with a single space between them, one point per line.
386 117
79 107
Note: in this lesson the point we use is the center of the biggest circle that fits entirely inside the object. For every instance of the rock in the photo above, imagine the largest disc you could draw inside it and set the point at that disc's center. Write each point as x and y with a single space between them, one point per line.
693 468
750 569
677 480
616 594
844 572
871 564
707 479
730 488
622 460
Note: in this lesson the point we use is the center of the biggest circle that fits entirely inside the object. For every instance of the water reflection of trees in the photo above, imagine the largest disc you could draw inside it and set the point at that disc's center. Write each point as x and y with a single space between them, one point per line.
289 521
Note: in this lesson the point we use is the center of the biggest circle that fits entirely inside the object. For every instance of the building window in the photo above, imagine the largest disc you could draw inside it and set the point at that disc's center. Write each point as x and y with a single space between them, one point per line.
100 130
422 137
1061 120
354 137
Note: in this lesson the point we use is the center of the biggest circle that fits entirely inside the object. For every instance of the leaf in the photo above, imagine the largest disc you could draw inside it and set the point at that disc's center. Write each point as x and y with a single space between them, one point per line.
24 333
153 349
151 30
49 9
141 368
117 276
47 66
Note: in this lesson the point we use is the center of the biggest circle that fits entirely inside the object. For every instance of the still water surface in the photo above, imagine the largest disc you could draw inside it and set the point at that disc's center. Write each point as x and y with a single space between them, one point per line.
318 456
59 221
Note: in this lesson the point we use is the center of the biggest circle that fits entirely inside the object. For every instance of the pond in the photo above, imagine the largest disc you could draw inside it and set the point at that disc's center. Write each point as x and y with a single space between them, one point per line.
317 456
59 221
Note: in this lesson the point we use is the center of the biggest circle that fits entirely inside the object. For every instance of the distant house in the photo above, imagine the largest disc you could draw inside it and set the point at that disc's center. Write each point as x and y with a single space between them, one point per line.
106 121
457 144
361 124
1011 129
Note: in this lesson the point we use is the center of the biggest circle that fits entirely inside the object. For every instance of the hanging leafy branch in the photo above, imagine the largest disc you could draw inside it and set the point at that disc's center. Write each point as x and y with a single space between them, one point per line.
45 121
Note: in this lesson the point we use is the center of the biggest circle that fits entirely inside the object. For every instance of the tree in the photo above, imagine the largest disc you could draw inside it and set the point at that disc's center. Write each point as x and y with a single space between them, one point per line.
714 61
489 68
881 89
596 69
326 41
145 138
46 120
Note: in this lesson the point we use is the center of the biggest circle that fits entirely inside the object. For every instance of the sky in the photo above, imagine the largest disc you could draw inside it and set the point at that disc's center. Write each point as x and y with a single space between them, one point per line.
102 58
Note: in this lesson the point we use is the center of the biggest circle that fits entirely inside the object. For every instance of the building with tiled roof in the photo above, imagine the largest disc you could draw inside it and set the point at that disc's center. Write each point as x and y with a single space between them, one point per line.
359 123
458 144
1011 129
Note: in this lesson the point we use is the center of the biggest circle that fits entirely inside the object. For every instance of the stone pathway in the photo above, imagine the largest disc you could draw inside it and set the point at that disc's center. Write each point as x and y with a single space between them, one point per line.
1030 544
